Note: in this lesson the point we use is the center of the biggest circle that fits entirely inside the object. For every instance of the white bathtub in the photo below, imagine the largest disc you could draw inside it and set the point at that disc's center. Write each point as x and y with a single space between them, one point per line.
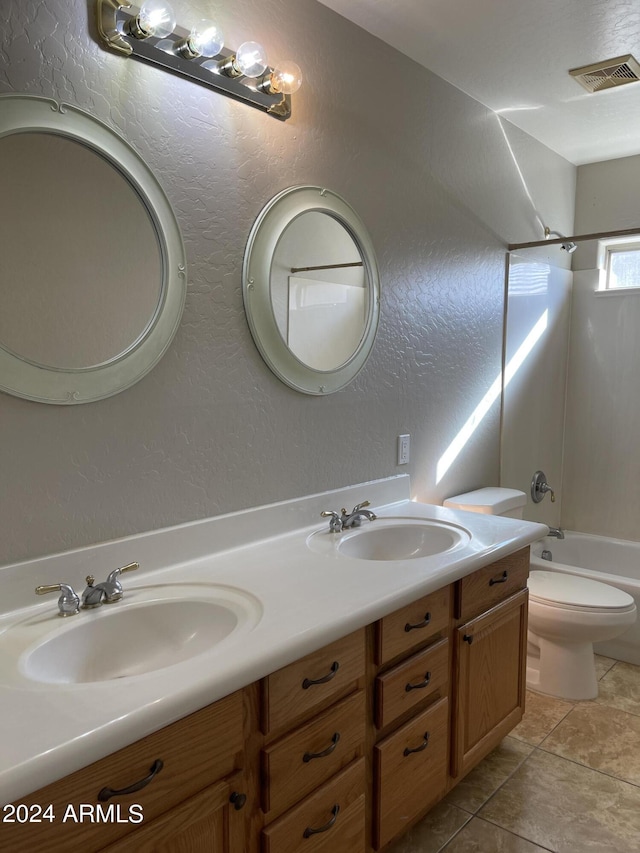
612 561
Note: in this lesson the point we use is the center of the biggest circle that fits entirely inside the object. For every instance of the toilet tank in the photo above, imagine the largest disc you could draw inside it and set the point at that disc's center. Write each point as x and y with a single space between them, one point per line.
490 500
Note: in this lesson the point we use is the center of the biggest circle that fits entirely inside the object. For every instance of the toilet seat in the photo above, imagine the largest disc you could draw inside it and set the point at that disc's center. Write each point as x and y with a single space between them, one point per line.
573 592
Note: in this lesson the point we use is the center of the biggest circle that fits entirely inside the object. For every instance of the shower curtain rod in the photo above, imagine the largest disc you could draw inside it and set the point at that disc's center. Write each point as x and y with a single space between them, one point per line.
327 267
578 238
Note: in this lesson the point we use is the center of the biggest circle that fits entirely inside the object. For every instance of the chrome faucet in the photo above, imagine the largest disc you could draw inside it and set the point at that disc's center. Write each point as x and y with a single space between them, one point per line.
354 518
108 591
68 603
346 519
557 532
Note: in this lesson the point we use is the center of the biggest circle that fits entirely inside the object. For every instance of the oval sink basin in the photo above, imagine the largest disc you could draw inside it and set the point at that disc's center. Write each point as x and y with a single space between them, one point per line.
151 629
400 542
388 539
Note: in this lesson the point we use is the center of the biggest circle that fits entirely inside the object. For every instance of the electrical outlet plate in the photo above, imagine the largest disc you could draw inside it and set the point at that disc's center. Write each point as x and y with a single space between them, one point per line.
404 448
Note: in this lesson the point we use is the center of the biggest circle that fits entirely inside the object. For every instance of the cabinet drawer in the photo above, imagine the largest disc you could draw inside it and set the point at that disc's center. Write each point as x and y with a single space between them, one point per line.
297 763
489 586
331 819
413 625
410 771
423 675
313 682
196 752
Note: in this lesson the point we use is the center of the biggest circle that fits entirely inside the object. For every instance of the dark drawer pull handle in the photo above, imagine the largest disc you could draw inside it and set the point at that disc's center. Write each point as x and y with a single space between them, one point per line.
498 580
106 793
309 756
238 800
309 831
468 638
409 627
309 682
422 746
427 679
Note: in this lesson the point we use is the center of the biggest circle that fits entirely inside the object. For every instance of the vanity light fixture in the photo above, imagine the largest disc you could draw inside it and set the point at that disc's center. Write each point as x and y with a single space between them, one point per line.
150 34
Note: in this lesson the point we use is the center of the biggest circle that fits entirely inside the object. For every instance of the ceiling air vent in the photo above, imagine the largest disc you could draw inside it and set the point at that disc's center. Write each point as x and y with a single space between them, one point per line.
607 74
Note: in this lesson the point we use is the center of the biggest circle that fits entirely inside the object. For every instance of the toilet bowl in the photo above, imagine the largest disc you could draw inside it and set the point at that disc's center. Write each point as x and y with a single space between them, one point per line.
567 615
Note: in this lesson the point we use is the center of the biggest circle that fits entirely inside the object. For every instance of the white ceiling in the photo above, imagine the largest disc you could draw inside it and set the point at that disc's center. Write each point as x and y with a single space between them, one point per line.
514 55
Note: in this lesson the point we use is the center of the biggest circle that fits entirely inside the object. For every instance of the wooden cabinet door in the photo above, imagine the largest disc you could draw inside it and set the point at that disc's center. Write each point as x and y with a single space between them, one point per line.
211 822
490 680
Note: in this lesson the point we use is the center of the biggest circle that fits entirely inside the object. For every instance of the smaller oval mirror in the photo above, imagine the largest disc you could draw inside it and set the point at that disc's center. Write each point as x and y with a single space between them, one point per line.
311 289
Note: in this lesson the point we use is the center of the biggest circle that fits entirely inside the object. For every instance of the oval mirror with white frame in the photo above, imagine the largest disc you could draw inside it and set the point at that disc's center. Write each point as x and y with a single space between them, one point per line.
93 277
311 289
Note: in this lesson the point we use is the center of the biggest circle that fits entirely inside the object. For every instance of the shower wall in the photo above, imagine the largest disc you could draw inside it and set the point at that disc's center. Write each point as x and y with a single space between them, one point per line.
601 484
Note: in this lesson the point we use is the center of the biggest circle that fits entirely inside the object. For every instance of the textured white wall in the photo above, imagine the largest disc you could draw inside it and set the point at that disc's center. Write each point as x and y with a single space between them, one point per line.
602 455
442 184
607 195
606 200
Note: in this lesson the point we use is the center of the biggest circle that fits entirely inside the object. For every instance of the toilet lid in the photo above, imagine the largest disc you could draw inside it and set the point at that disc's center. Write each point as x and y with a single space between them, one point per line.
576 591
491 500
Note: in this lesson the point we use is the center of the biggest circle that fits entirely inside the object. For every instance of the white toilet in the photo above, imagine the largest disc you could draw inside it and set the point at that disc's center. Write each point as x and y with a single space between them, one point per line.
567 613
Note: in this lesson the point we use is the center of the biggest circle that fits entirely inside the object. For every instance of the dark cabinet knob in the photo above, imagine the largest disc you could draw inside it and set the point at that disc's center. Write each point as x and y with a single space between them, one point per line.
238 800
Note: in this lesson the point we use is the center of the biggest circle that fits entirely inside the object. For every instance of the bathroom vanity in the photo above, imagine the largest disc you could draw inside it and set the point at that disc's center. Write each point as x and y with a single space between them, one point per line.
342 747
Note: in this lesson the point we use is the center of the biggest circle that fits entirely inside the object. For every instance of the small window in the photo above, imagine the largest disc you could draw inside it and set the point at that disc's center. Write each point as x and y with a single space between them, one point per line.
622 267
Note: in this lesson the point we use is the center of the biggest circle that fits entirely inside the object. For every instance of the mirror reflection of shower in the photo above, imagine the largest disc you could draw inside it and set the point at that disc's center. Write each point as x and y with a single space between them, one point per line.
568 246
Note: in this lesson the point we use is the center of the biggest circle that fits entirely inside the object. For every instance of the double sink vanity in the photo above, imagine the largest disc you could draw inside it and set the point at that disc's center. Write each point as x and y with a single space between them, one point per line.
265 684
268 680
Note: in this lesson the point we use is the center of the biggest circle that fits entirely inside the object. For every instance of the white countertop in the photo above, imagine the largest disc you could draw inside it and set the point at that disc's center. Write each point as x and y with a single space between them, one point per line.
307 599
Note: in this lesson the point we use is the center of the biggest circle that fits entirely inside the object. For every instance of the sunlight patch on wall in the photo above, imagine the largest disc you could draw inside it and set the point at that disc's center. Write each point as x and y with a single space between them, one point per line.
515 363
520 172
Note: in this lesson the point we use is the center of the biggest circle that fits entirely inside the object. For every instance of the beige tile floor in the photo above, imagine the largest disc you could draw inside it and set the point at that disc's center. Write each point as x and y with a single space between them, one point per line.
566 780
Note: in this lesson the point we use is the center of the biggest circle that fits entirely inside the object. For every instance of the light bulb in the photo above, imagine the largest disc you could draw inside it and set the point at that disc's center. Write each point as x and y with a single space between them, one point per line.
286 79
206 39
251 59
156 18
